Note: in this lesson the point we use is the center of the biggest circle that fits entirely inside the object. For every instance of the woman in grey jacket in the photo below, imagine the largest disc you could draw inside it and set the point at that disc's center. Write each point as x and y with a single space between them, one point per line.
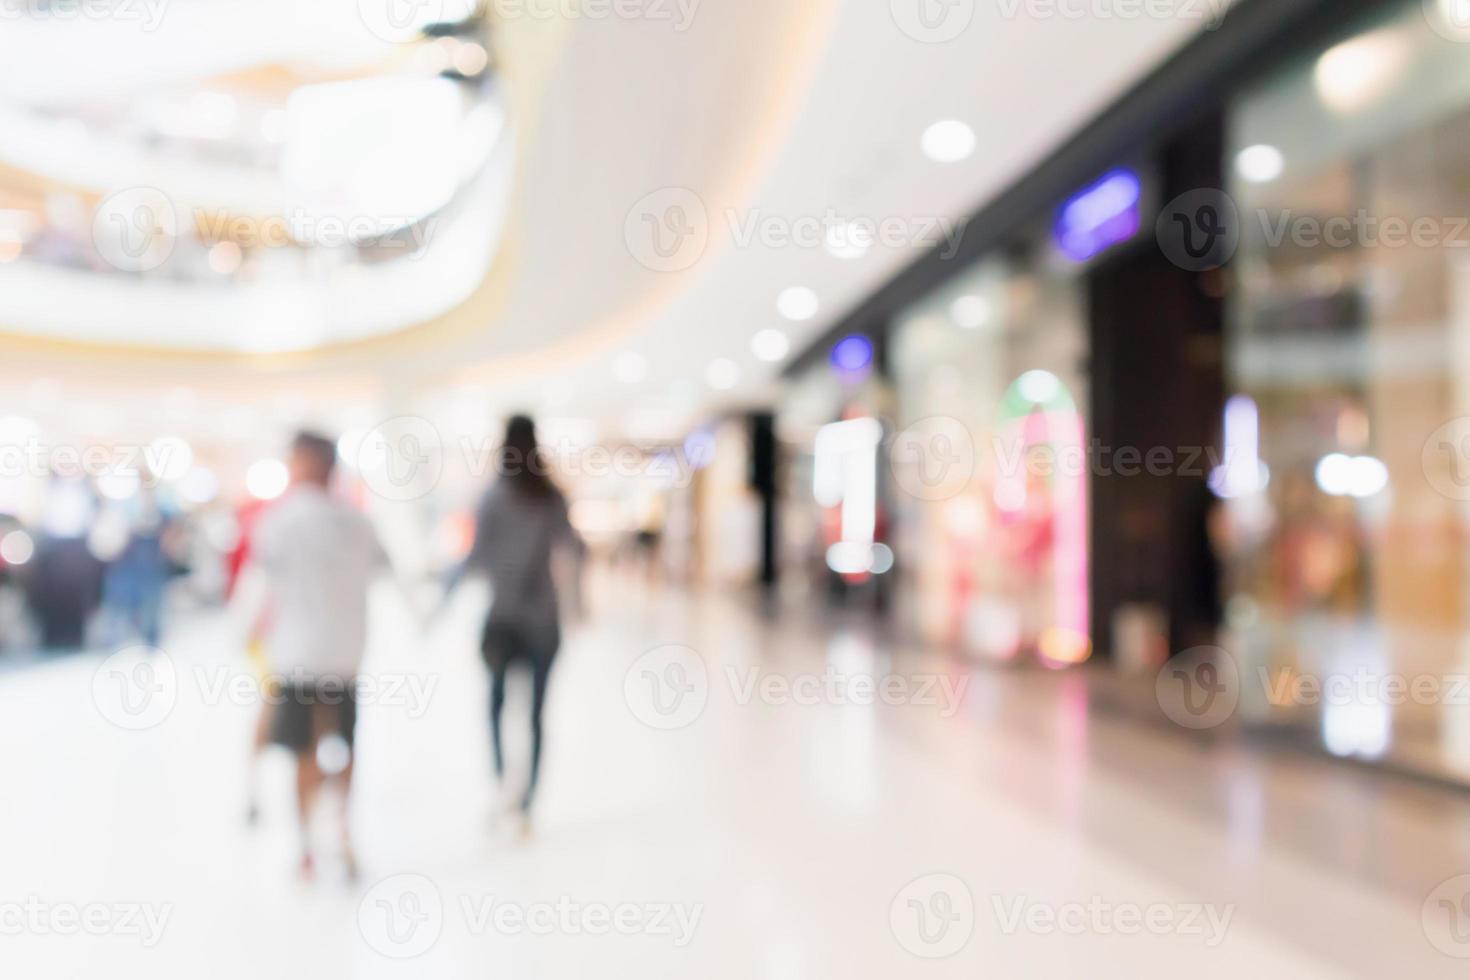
521 522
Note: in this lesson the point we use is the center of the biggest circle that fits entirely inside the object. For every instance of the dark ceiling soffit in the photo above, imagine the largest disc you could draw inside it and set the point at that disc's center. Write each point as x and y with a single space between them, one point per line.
1253 35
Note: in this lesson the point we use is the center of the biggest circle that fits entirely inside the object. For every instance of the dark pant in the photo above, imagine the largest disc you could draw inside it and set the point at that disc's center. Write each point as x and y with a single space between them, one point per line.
304 711
505 645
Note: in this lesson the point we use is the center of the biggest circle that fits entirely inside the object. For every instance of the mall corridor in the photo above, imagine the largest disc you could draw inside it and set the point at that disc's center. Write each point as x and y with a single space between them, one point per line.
775 834
734 489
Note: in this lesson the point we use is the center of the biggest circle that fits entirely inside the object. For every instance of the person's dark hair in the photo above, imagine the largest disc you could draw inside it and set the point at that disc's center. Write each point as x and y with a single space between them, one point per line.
319 449
521 462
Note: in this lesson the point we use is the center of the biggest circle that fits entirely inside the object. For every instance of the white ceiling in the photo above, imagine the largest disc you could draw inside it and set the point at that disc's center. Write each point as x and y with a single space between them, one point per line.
784 114
759 107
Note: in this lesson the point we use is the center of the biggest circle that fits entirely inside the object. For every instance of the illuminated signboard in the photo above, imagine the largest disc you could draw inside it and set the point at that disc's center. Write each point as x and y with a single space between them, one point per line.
1100 216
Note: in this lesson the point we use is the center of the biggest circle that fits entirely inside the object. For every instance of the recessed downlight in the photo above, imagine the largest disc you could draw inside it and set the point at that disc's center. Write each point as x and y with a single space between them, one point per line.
948 141
770 345
797 303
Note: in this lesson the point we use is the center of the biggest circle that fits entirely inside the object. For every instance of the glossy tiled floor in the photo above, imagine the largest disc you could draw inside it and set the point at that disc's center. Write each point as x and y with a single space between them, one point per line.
720 800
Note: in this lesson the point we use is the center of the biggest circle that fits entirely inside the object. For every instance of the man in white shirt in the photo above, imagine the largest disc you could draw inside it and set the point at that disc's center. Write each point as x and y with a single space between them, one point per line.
319 556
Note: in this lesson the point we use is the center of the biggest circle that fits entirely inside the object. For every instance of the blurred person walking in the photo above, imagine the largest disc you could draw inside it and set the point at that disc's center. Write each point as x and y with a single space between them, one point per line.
64 579
140 566
521 521
319 555
238 563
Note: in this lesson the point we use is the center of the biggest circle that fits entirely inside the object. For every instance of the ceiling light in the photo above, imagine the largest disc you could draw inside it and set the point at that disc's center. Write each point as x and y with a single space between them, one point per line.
949 141
722 374
797 303
630 367
971 312
267 479
1450 19
770 345
850 241
1356 73
1260 164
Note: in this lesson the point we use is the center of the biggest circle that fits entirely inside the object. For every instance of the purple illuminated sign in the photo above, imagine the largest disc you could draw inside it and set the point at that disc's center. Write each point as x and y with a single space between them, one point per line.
852 354
1100 216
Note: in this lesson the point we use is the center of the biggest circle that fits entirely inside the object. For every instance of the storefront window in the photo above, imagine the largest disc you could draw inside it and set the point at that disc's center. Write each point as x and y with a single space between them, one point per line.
990 368
1350 356
836 521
